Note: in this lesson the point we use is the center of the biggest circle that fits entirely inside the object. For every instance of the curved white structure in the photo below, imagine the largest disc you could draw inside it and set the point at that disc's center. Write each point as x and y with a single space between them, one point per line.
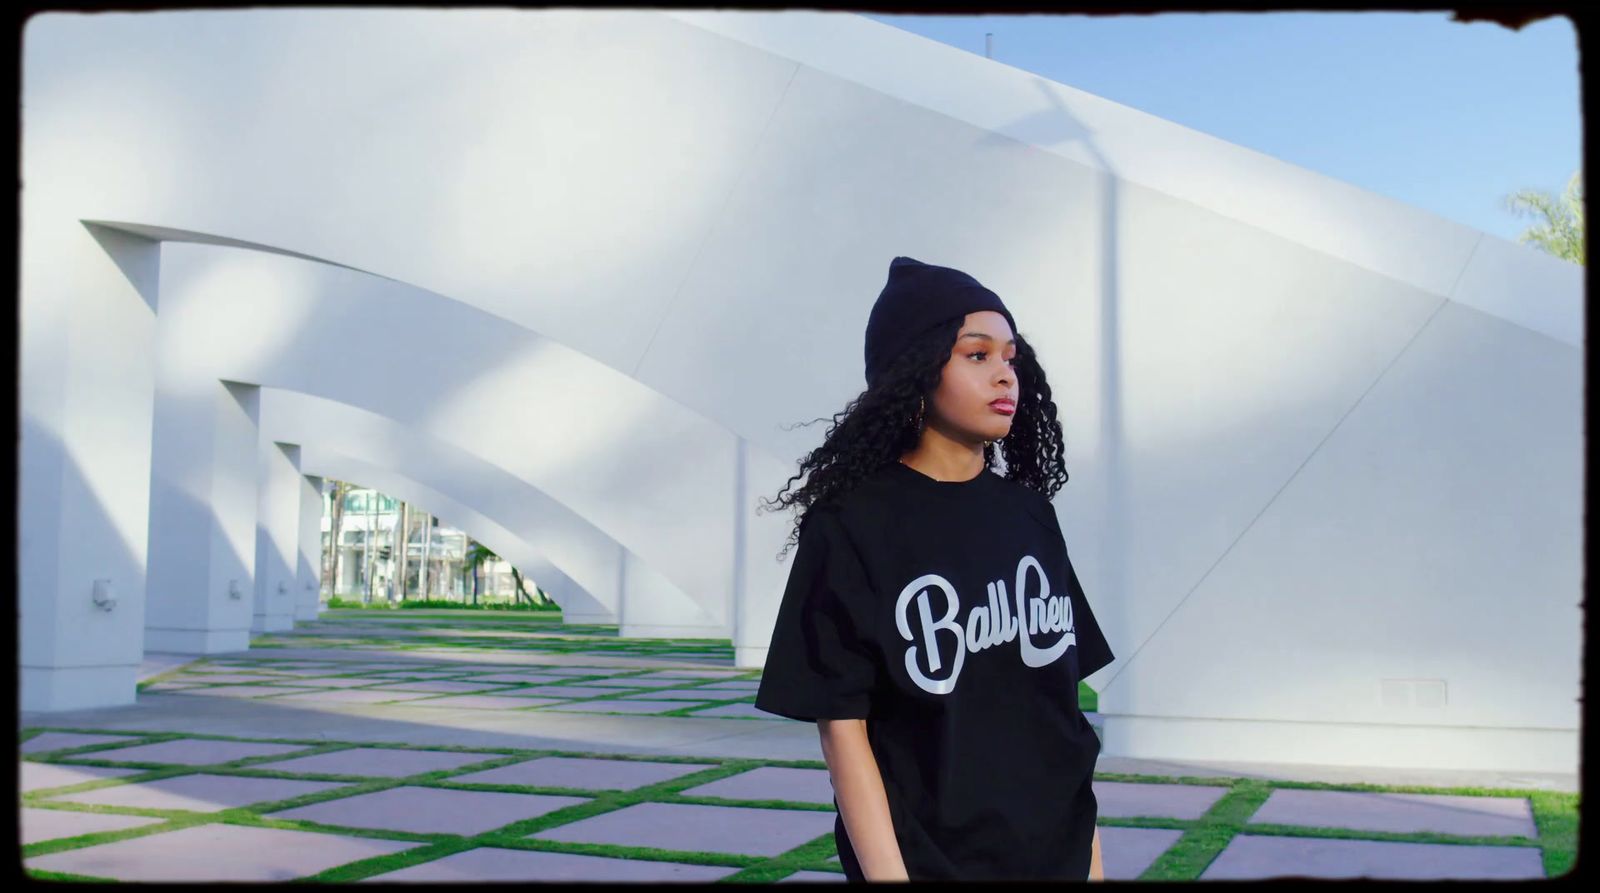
568 278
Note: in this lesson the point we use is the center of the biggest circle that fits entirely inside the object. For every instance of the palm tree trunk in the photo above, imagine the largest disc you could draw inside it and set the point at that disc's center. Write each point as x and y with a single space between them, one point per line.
401 551
427 543
519 592
336 529
368 553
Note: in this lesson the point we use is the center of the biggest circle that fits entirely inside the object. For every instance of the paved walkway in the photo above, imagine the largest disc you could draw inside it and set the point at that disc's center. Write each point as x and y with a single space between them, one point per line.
556 761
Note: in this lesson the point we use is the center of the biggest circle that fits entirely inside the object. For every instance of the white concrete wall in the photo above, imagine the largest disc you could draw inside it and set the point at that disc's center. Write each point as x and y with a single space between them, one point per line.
202 554
1318 439
88 332
277 535
308 604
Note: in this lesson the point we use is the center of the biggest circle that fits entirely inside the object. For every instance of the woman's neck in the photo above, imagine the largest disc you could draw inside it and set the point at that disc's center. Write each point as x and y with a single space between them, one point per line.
950 461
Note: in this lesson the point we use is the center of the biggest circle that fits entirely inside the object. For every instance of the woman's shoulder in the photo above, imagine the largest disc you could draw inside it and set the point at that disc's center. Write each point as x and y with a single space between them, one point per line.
864 506
1036 504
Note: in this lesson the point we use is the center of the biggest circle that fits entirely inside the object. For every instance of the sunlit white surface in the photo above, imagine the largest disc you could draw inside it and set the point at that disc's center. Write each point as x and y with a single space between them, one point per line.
1325 448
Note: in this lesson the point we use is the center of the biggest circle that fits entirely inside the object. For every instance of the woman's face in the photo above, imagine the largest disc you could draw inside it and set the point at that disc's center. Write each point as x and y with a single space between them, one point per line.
978 372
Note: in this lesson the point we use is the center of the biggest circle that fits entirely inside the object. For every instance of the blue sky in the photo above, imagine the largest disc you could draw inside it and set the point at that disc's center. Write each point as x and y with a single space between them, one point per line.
1447 116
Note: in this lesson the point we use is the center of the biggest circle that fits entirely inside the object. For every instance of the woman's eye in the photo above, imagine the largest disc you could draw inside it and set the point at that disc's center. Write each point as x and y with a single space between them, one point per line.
984 353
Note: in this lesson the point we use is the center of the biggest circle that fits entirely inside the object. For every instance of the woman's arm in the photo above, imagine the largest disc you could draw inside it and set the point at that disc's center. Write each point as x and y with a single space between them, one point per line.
1097 871
863 805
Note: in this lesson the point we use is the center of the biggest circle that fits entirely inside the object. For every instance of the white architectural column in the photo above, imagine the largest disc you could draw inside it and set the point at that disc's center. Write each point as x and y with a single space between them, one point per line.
277 537
88 305
650 607
202 513
307 600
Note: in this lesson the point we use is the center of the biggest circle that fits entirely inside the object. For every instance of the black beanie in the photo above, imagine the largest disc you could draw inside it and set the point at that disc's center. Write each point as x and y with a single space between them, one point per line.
919 297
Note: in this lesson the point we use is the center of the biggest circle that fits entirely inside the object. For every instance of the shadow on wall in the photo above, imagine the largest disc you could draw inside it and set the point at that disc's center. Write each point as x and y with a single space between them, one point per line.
55 600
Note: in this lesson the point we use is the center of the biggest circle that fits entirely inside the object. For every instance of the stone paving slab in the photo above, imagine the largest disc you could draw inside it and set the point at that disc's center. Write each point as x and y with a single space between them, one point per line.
1384 811
519 678
490 864
698 674
482 702
582 772
419 674
1125 853
379 762
341 682
438 685
239 691
426 810
199 793
770 783
1268 856
192 752
266 666
352 696
54 824
685 694
567 691
220 678
38 776
218 852
737 684
171 686
619 706
308 673
813 877
48 741
548 696
744 830
1122 799
745 709
642 682
581 671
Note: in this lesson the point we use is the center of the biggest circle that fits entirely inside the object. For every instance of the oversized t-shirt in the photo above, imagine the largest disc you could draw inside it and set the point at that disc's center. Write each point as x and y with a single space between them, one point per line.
948 615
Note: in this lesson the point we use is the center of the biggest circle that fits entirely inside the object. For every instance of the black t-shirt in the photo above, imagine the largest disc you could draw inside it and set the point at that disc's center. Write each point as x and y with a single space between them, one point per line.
985 755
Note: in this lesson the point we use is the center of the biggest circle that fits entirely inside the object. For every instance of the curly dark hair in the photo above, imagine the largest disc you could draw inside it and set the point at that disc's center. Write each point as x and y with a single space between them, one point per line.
877 427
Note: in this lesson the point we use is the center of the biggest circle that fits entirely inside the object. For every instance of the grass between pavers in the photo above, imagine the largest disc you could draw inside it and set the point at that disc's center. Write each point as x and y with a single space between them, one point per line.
1087 699
1555 813
1206 837
466 644
690 708
811 855
730 696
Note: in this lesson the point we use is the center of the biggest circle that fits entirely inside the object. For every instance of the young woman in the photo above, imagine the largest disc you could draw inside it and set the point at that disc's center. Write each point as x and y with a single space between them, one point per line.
932 625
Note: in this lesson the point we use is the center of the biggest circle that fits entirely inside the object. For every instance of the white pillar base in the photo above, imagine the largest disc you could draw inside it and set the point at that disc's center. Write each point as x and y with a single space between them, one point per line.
750 658
272 623
57 689
669 631
195 641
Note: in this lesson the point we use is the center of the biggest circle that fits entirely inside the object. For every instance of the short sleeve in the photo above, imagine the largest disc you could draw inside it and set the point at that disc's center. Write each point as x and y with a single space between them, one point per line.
1093 650
823 662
